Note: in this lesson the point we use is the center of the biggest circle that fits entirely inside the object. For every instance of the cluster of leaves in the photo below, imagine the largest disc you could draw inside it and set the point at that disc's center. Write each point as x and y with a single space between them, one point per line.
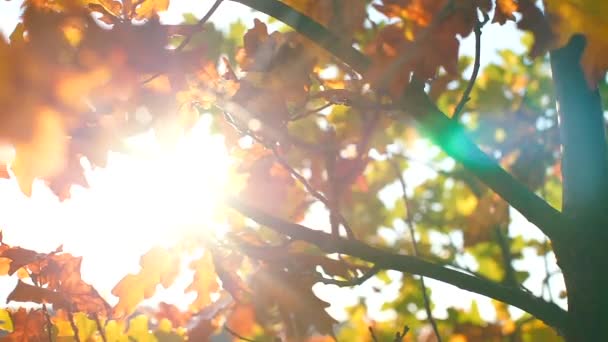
303 127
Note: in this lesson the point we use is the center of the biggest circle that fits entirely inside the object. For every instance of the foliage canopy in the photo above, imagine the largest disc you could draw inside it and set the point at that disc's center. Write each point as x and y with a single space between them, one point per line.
324 117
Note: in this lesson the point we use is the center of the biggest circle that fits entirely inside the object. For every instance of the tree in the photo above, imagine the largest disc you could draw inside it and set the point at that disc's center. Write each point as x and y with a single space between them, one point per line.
332 106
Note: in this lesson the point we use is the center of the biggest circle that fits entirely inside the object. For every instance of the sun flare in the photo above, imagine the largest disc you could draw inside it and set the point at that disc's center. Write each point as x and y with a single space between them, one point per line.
154 196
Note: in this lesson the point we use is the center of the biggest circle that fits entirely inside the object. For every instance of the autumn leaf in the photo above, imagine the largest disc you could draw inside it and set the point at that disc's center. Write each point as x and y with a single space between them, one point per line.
570 17
291 293
242 319
344 16
28 326
269 180
505 10
20 257
29 293
491 211
534 20
49 140
158 266
149 8
204 282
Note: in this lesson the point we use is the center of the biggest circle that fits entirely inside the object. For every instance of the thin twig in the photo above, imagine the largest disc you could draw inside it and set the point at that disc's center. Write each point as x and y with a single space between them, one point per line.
190 35
235 334
467 92
199 25
49 325
548 273
410 224
399 336
100 328
306 113
354 282
315 193
74 327
372 333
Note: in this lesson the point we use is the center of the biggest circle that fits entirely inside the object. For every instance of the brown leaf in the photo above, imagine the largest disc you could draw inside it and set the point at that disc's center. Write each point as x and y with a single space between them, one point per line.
535 21
290 292
28 293
28 326
20 257
491 211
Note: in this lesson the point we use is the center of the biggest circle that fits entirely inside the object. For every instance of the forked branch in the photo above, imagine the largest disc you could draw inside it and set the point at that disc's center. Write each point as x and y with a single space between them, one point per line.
550 313
448 134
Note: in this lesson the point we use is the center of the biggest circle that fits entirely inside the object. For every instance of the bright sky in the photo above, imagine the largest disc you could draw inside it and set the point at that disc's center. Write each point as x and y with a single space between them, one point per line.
140 201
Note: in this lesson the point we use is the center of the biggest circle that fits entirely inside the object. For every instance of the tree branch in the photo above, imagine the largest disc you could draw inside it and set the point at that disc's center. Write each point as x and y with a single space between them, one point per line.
447 134
467 92
582 132
550 313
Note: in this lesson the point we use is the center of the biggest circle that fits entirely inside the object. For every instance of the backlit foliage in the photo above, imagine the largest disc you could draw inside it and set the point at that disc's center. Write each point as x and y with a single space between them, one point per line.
303 128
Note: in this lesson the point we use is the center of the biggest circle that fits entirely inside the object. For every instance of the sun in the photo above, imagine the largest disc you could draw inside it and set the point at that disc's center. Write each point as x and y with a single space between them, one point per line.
154 196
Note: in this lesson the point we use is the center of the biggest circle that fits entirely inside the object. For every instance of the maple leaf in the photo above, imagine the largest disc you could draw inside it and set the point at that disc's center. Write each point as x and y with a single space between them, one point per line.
28 326
570 17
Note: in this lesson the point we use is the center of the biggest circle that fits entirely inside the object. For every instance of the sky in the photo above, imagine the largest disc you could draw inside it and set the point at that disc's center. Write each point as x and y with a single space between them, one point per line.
89 223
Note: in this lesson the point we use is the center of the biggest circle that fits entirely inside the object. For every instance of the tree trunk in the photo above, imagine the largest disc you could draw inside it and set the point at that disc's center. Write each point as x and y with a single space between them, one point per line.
582 252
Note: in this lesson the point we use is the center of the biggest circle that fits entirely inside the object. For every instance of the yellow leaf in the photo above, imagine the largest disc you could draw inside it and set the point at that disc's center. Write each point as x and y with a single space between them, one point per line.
150 8
6 323
139 331
115 331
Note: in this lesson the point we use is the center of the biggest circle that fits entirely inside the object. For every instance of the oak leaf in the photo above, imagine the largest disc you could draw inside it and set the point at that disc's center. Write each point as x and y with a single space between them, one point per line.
29 293
28 326
158 266
204 282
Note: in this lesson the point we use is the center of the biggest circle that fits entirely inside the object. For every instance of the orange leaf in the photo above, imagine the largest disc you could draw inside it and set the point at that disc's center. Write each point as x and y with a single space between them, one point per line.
28 326
204 282
242 319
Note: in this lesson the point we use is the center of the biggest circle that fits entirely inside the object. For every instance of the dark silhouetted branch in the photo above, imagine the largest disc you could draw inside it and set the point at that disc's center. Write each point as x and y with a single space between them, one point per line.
550 313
